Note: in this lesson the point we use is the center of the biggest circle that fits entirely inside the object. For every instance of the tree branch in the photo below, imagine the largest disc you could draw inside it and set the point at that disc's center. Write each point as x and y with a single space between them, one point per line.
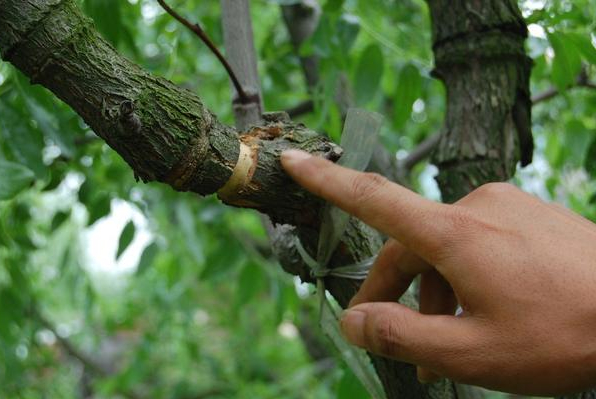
197 30
421 152
581 81
300 109
239 44
425 148
69 348
162 131
74 352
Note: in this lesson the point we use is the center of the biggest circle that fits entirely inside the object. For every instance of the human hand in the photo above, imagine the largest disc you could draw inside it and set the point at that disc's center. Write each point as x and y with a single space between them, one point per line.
522 270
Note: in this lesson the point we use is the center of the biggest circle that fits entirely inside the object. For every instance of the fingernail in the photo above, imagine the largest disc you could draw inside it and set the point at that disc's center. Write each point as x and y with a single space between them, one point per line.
292 157
352 326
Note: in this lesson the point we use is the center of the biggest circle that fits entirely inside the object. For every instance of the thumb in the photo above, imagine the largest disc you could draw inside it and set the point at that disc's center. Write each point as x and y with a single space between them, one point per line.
438 342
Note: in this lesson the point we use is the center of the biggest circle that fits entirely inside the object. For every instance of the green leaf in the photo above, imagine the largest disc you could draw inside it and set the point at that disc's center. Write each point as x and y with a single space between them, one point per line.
567 62
350 388
409 88
369 72
126 237
58 219
250 283
42 107
536 16
590 160
26 143
223 259
333 5
147 258
99 207
107 17
14 178
319 43
186 220
577 138
584 46
347 31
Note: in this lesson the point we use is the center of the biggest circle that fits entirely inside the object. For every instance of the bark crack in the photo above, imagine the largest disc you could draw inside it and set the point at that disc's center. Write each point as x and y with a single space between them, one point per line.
34 27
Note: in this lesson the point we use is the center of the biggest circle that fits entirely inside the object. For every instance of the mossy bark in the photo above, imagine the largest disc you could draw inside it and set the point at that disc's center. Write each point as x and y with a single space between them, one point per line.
162 131
166 134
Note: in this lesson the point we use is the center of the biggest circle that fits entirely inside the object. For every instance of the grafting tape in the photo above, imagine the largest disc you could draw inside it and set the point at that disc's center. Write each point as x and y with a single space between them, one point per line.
358 140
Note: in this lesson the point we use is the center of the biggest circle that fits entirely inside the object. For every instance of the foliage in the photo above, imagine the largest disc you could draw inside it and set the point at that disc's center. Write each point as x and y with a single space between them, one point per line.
176 296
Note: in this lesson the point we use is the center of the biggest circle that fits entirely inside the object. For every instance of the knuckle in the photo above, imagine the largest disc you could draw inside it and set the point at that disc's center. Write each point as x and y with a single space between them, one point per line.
366 185
462 227
460 220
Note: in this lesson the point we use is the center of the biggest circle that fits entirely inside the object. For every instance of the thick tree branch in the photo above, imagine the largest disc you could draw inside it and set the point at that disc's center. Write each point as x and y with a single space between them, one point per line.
163 132
166 134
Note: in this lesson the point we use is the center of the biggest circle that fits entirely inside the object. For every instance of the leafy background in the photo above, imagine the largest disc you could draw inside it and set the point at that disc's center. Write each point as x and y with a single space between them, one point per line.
109 288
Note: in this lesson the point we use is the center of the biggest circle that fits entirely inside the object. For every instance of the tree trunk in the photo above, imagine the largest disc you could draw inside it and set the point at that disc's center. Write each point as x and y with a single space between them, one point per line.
480 57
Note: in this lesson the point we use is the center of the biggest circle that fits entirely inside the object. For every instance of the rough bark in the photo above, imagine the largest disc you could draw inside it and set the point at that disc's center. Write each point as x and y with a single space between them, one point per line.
480 57
166 134
162 131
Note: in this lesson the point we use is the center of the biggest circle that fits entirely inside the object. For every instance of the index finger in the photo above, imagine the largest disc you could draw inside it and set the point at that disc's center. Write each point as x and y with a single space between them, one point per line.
418 223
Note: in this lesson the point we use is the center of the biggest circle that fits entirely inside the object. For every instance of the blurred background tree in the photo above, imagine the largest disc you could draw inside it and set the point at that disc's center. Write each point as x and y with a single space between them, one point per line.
109 288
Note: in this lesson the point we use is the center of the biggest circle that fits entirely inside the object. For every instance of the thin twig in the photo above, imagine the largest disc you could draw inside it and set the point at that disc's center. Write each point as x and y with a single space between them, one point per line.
553 91
427 146
197 30
305 107
545 95
422 151
74 352
69 347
